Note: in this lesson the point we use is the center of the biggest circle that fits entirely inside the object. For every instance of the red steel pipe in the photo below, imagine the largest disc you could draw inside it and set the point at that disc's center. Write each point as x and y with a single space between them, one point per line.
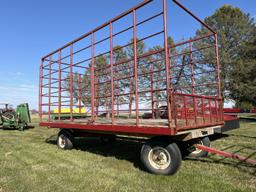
226 154
135 66
195 17
112 73
40 89
71 82
102 26
167 65
59 89
49 93
92 77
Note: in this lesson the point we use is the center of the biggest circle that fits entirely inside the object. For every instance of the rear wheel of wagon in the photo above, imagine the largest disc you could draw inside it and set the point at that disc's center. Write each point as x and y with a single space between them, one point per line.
161 157
199 152
65 140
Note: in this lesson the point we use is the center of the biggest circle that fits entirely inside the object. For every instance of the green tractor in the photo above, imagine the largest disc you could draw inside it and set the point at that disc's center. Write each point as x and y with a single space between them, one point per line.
15 119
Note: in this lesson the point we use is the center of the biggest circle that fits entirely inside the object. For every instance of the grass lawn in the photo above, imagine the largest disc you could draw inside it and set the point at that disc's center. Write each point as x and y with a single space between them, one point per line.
30 161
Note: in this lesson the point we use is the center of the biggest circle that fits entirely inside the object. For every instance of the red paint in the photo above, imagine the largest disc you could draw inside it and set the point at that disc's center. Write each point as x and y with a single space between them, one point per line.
231 110
226 154
187 108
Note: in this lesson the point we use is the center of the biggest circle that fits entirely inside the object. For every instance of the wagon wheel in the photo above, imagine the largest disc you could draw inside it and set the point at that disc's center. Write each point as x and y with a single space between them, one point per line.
161 157
189 150
65 140
198 152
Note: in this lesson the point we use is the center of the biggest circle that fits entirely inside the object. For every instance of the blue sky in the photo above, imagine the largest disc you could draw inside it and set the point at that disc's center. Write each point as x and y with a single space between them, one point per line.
30 29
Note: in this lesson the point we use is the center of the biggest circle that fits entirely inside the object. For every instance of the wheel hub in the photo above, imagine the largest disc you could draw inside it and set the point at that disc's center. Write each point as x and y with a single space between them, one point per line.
197 151
159 158
61 141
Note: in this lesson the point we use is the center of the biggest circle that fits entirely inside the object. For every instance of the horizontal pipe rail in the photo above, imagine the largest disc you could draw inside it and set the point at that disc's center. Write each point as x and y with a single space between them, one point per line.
136 83
226 154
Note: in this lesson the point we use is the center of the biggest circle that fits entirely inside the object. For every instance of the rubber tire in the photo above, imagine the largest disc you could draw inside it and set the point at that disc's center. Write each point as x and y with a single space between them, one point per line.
9 115
203 141
172 149
68 139
22 127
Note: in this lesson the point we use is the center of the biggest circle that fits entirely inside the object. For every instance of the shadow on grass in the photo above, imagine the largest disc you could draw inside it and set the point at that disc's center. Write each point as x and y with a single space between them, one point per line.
13 129
244 136
241 165
121 149
246 120
52 140
29 127
127 149
217 136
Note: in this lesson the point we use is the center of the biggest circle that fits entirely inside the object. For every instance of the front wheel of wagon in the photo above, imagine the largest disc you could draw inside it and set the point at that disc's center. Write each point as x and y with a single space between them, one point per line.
65 140
161 157
205 141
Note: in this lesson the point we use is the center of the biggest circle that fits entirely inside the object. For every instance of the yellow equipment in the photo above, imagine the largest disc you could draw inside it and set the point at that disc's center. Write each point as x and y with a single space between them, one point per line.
67 111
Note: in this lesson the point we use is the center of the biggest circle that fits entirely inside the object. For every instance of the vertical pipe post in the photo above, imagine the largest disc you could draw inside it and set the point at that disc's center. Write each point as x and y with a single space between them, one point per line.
210 109
216 110
107 94
152 90
112 73
59 87
185 108
169 89
173 99
71 82
193 81
218 76
92 78
203 111
135 65
218 65
97 93
131 91
40 90
118 103
49 89
118 93
79 93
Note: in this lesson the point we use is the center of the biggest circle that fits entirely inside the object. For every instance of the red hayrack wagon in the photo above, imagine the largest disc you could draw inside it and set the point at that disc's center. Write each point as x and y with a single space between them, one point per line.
169 94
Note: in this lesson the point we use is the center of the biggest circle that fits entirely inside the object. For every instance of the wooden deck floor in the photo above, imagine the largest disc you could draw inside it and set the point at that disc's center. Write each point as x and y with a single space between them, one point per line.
132 122
121 121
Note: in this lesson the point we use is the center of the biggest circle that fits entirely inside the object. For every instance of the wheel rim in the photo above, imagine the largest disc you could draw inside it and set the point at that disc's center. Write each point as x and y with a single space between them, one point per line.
61 141
159 158
197 151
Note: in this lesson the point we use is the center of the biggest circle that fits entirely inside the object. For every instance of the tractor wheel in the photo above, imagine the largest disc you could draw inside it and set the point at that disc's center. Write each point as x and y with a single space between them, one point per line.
8 115
160 157
65 140
21 127
198 152
8 119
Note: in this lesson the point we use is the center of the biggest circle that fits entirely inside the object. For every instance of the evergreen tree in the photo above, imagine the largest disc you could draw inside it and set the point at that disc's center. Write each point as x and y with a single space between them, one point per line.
243 83
235 30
